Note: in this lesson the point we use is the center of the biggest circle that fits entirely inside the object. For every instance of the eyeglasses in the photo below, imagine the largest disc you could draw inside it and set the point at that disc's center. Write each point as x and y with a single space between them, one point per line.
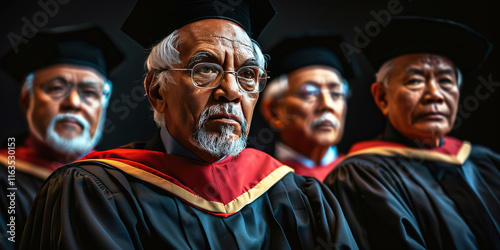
251 79
59 88
312 93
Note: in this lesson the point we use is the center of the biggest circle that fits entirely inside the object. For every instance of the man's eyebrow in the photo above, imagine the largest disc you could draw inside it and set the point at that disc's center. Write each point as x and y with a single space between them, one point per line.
57 78
415 71
446 72
198 57
333 84
90 82
251 62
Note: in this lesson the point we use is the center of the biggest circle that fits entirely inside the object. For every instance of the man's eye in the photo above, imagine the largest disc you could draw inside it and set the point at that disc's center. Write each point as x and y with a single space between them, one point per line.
308 91
415 81
445 80
90 93
247 73
336 95
206 69
55 87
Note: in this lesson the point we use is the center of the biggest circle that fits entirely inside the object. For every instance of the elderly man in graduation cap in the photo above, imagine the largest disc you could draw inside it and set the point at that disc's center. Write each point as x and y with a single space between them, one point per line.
65 94
414 187
306 103
193 185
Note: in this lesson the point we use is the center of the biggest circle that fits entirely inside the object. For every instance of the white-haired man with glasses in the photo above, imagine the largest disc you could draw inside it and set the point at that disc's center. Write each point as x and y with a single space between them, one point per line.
193 185
64 96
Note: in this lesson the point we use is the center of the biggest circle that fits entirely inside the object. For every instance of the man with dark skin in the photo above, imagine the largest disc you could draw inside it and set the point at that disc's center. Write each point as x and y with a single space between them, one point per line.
64 96
415 187
193 185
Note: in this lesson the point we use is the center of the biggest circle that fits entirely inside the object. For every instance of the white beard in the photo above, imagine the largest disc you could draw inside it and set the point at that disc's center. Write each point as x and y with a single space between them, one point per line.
221 145
79 145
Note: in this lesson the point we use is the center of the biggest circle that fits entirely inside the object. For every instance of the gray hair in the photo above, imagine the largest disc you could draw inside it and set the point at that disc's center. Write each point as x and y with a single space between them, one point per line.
165 54
277 87
382 76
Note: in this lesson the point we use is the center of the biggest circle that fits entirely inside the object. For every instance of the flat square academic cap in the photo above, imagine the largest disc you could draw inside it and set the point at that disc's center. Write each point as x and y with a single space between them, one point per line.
152 20
314 48
413 34
76 45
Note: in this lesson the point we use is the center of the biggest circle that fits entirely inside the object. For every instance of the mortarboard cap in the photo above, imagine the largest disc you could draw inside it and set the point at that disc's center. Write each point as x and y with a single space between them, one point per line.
301 50
76 45
152 20
412 34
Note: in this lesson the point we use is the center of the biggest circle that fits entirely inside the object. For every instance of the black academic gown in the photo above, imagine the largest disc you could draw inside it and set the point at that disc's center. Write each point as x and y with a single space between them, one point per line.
396 195
113 203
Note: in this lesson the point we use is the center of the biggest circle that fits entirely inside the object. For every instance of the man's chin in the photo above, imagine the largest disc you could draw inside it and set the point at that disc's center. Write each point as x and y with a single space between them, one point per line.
68 136
220 143
218 132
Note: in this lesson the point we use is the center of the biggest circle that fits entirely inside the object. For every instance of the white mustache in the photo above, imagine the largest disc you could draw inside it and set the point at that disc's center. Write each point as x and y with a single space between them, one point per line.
326 117
84 123
225 108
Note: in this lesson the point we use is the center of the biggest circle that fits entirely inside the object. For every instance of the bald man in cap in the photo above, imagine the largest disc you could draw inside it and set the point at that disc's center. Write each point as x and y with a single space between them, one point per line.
307 101
415 187
193 185
65 92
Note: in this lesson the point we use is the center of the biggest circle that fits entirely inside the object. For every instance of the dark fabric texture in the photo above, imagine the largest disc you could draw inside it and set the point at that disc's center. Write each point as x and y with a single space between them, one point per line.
23 198
411 203
100 207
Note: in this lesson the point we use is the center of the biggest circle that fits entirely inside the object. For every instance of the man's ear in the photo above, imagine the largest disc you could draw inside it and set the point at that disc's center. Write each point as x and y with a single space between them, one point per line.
25 100
271 112
157 100
379 93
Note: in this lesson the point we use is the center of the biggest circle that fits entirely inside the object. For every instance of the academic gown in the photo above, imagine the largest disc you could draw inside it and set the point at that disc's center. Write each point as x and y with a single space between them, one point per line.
18 187
396 195
140 197
318 172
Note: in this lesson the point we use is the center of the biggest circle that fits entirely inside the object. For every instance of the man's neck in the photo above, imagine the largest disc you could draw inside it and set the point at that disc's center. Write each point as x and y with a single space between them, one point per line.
392 135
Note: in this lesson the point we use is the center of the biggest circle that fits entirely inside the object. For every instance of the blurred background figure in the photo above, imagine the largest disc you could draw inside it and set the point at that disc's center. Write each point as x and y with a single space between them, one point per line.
307 101
415 187
64 72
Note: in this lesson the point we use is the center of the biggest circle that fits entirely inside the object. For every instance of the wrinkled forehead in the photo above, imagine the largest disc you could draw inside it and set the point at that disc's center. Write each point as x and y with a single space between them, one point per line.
423 61
218 36
316 74
70 72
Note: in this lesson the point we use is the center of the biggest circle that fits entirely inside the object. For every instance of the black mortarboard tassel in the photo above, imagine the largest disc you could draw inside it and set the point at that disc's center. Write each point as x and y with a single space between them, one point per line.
412 34
302 50
76 45
152 20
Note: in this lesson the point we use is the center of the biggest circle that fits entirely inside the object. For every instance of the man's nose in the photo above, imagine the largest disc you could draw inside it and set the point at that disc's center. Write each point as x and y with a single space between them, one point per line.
73 99
326 102
229 89
433 92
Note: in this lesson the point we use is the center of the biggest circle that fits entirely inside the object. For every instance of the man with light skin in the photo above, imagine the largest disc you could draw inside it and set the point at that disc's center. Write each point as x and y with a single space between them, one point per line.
306 103
415 187
64 95
193 185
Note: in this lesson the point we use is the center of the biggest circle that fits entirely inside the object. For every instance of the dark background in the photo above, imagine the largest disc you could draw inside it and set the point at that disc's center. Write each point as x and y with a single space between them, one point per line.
129 114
